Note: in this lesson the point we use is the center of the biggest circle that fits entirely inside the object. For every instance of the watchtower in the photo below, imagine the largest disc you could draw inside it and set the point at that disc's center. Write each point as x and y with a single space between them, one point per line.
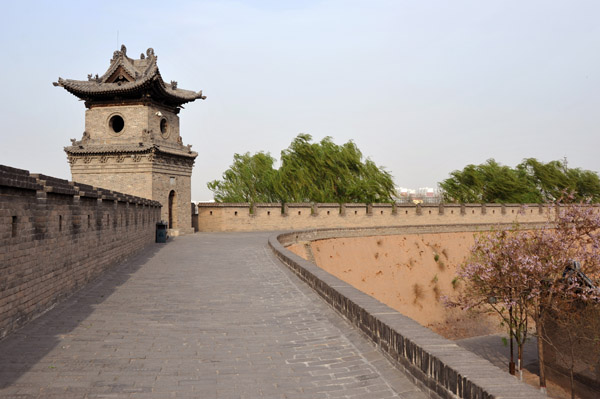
131 141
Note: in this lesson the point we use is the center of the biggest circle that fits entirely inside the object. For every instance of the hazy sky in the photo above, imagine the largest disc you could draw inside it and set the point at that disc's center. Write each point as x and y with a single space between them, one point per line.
422 87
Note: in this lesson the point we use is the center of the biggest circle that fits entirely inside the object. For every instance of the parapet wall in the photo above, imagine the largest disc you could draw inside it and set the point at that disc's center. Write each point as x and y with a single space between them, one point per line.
56 236
274 217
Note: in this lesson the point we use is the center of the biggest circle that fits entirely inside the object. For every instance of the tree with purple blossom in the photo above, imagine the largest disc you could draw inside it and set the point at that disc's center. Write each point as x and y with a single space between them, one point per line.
521 273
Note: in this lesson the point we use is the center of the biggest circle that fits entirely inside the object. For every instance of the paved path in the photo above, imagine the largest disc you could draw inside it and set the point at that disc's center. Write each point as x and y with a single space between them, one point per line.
492 348
205 316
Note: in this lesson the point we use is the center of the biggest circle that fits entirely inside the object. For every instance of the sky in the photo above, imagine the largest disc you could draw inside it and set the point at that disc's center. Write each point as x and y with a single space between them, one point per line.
422 87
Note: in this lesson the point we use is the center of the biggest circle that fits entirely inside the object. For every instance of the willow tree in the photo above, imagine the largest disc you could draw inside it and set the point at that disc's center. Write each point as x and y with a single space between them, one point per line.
531 181
327 172
251 178
309 172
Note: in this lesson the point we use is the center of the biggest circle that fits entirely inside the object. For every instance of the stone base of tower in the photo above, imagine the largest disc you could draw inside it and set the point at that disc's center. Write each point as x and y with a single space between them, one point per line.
165 178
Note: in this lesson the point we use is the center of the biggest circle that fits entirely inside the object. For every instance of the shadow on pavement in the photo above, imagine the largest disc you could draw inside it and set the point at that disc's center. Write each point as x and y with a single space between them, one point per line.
24 348
492 347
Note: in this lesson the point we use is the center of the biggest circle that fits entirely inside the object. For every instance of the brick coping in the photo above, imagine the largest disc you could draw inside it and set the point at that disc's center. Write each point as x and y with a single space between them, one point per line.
436 364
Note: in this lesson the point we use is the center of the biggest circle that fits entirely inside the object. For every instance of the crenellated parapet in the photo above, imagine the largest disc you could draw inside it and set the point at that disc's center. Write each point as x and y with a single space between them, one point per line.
276 216
57 235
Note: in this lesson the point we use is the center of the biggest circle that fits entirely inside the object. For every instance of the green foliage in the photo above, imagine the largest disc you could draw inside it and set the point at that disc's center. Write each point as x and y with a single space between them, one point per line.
251 178
309 172
531 181
455 282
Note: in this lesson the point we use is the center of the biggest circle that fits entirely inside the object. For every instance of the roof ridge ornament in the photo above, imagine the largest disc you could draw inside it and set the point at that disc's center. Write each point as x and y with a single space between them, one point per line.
130 80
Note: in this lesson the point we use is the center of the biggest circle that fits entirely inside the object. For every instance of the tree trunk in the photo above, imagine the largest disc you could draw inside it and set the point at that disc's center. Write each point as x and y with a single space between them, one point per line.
511 364
572 362
520 360
572 383
540 345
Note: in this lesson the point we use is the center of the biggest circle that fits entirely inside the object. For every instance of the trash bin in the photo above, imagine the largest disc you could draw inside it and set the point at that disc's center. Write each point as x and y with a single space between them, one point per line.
161 232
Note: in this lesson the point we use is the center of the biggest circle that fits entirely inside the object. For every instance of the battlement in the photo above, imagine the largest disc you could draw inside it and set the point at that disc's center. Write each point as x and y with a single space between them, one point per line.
293 216
57 235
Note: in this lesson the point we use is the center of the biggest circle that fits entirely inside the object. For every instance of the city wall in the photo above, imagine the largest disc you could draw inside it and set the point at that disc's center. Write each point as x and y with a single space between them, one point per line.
274 217
56 236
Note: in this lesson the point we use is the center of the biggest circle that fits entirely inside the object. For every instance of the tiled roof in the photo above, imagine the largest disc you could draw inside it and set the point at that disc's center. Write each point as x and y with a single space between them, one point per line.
129 78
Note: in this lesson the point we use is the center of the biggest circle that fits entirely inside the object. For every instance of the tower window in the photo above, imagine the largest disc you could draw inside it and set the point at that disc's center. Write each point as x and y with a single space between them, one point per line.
116 123
164 126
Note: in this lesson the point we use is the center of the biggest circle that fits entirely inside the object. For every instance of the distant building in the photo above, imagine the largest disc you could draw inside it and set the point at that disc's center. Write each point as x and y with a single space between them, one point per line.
422 195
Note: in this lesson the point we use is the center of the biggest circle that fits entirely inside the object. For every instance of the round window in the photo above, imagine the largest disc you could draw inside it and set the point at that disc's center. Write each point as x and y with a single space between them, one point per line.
164 126
116 123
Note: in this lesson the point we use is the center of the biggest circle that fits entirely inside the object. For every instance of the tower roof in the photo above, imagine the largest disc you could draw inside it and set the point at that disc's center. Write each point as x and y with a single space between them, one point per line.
129 79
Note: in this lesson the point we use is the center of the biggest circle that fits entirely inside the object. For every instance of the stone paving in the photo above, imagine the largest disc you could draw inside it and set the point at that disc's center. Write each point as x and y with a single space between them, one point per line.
492 348
204 316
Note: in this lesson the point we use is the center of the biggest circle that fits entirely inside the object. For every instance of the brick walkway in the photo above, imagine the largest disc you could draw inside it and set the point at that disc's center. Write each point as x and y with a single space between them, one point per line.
205 316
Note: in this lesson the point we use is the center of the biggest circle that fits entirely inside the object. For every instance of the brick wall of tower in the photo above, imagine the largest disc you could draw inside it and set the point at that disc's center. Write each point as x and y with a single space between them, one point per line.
177 179
141 121
129 176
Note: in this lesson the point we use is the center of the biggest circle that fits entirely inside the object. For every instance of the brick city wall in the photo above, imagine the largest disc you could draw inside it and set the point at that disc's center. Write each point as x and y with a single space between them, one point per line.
439 366
274 217
56 236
